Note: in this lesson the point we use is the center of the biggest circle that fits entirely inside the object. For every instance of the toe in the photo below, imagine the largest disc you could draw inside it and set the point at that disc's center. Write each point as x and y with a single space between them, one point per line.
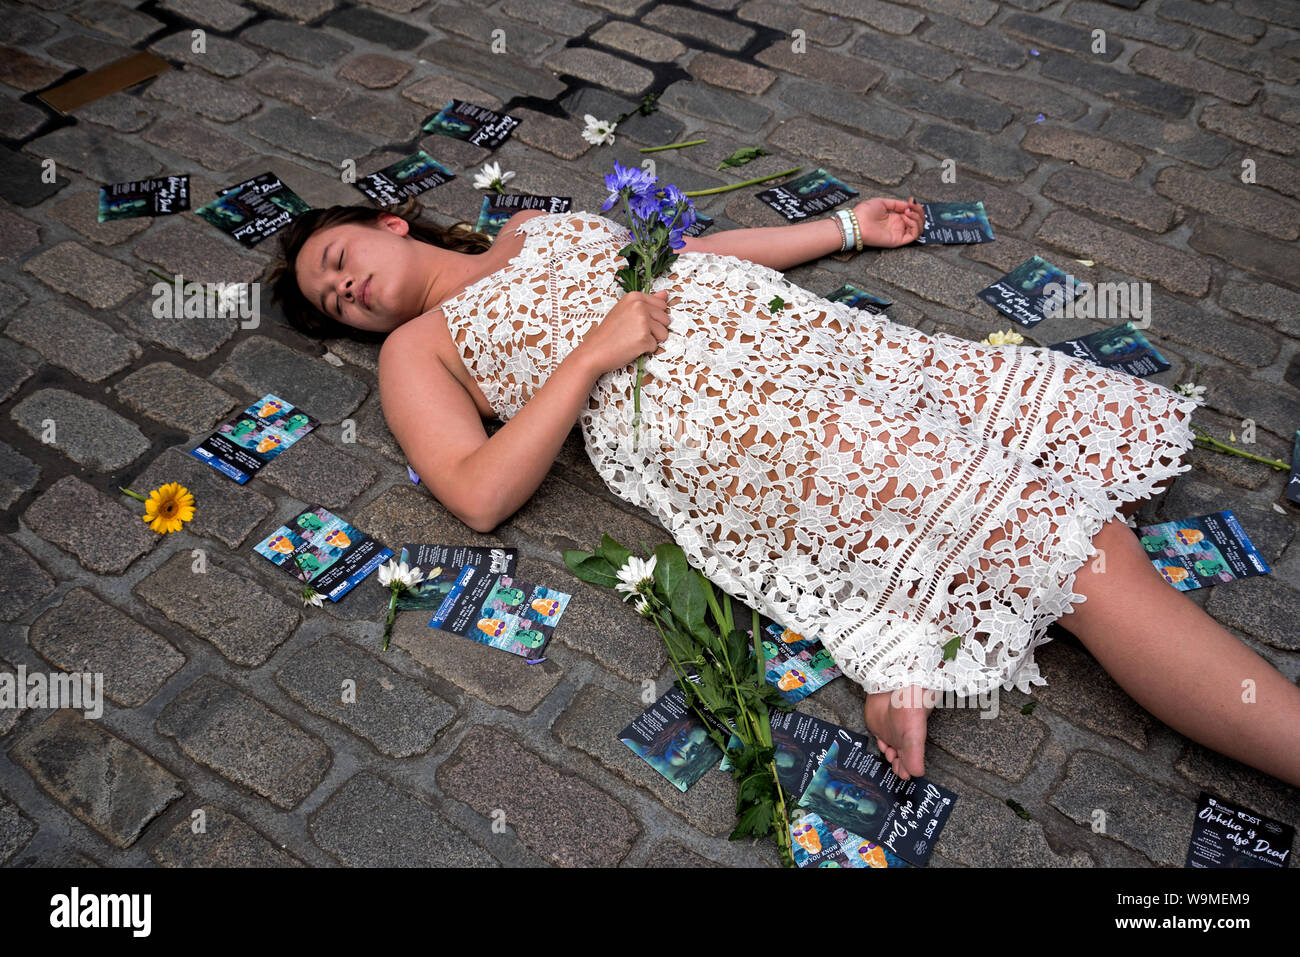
912 753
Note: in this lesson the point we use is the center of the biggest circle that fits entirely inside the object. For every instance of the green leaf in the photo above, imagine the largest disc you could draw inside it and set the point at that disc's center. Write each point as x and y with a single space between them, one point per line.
574 557
613 552
670 566
680 646
776 304
688 604
755 820
595 571
743 156
950 648
738 651
1029 708
755 786
1015 806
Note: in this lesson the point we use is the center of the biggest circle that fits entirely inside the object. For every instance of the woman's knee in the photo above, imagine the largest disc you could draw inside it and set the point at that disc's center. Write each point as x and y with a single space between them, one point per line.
1111 577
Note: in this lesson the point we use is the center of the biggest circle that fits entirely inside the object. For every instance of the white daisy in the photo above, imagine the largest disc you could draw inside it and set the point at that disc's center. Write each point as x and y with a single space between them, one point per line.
642 607
230 295
1191 390
635 574
394 572
598 132
310 596
489 175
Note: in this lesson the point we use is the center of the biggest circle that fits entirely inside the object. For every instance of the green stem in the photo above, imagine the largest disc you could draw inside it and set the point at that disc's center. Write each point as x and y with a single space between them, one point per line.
783 840
392 612
692 699
636 406
1217 446
636 390
760 734
688 690
127 491
748 182
670 146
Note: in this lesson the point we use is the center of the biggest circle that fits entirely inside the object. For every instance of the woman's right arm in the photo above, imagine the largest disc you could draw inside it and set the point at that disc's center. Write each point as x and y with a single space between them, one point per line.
482 480
510 466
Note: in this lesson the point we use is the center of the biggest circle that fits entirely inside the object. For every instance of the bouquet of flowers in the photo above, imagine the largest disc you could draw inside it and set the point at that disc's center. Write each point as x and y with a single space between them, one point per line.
720 669
657 218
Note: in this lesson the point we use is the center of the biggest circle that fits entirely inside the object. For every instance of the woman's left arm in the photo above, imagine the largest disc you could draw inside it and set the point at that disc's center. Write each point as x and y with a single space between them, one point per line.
885 223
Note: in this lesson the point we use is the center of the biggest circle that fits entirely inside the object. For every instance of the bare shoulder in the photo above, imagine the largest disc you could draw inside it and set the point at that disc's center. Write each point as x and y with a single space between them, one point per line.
413 349
524 216
431 415
397 344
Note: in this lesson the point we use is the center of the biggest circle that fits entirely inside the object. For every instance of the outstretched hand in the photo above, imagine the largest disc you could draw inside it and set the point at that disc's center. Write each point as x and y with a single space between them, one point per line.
888 223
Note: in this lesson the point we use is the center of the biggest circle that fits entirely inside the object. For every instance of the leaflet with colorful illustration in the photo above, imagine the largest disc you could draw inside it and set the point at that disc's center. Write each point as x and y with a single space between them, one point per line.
1198 552
433 560
1122 347
1031 292
856 790
144 197
796 666
495 609
816 844
254 209
864 853
320 549
812 843
409 176
955 223
475 124
807 195
670 738
497 208
801 741
851 295
248 440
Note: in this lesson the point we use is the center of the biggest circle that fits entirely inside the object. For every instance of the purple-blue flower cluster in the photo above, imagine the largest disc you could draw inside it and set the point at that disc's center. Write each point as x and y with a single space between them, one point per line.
649 206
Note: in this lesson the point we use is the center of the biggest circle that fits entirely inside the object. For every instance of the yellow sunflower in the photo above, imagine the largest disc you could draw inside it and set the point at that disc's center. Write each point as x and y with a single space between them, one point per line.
169 507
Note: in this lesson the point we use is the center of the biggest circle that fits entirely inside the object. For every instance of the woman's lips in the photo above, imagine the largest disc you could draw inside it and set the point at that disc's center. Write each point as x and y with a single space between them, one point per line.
365 292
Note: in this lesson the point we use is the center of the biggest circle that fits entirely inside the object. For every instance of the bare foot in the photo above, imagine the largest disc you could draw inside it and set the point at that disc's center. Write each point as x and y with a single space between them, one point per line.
899 730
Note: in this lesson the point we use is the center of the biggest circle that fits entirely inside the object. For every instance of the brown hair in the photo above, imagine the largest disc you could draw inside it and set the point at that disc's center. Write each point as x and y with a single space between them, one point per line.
283 277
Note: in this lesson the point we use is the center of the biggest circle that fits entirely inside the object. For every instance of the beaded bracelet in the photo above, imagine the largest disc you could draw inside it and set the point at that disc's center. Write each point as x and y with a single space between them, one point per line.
848 221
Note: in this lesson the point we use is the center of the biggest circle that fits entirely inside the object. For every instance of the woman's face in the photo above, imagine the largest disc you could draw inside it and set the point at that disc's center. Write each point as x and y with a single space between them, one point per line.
364 275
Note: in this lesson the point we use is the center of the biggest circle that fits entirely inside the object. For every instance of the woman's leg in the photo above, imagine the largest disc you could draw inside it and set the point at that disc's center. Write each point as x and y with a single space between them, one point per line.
1180 664
1129 509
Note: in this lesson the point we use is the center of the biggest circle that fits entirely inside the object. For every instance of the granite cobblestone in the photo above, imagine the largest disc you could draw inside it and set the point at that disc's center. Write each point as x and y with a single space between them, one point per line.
224 694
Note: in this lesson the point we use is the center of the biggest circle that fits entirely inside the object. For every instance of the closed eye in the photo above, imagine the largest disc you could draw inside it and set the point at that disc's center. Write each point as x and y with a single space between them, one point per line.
338 308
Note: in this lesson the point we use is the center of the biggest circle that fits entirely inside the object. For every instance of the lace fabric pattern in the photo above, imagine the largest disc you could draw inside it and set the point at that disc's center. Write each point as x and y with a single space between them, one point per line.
853 479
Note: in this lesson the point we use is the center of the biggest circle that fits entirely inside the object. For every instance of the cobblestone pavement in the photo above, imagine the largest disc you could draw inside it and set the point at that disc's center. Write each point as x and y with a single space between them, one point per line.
225 697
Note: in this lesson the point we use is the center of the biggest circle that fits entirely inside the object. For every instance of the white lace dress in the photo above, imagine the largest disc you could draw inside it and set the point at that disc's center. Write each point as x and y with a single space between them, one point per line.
853 479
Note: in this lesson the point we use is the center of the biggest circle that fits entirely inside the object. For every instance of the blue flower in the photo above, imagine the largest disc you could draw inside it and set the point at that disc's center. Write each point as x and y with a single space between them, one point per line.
644 206
630 181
